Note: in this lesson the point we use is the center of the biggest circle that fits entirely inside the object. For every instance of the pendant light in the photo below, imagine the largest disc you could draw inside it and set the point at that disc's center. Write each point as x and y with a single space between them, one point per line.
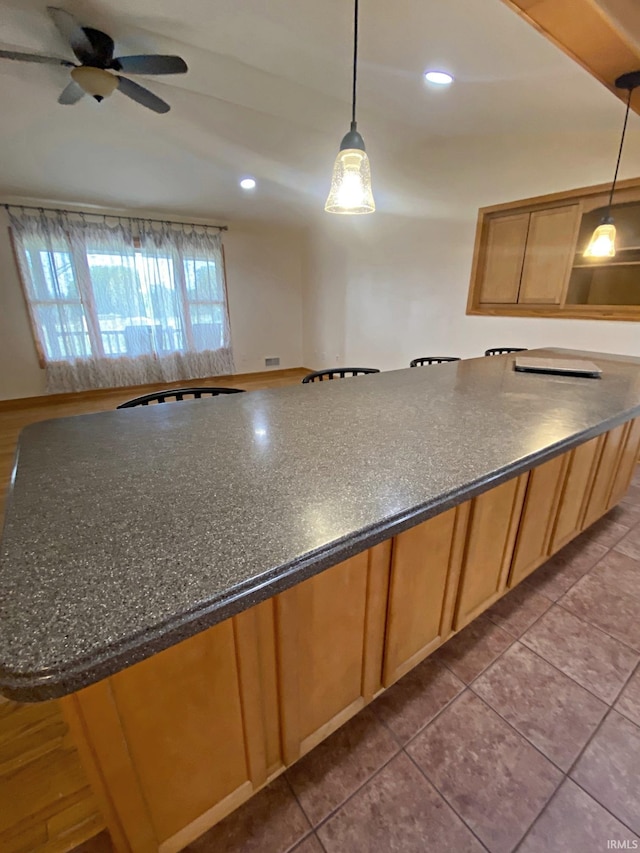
351 180
603 239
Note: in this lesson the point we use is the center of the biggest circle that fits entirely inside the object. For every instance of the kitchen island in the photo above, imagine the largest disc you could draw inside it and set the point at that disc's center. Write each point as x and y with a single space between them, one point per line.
216 586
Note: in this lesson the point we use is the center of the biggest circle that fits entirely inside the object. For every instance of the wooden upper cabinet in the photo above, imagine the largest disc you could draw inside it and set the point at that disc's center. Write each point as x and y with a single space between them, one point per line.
549 254
528 258
504 256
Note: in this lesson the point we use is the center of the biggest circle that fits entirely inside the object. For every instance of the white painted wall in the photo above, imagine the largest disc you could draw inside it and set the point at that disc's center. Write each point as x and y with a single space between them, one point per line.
264 279
383 289
379 290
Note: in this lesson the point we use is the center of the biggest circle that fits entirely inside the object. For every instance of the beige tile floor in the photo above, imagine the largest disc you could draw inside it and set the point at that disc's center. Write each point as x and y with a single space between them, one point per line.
521 733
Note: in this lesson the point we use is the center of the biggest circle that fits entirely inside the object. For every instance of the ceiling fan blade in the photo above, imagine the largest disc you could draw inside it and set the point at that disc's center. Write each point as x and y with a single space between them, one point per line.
142 96
71 94
150 64
35 57
71 32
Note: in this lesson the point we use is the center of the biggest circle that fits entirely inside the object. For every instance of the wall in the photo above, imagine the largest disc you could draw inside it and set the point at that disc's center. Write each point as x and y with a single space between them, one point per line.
264 278
383 289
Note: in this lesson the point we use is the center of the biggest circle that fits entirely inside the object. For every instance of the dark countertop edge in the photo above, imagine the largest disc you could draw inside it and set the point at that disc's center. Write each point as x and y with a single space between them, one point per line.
42 685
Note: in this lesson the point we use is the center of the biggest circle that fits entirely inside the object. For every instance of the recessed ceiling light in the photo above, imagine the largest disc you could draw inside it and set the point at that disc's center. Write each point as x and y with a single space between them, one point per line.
440 78
248 183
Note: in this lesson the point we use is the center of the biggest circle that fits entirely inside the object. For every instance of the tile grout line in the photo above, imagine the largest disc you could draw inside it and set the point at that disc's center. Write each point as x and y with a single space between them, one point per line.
577 580
557 602
570 677
582 788
563 775
439 792
617 639
540 813
356 790
602 806
403 743
538 816
306 817
484 669
319 840
611 708
636 671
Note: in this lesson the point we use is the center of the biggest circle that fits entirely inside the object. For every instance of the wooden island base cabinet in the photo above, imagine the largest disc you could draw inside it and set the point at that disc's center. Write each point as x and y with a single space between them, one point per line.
178 741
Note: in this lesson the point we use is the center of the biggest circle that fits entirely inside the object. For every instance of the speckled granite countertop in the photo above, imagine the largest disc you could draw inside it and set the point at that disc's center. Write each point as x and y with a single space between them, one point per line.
128 531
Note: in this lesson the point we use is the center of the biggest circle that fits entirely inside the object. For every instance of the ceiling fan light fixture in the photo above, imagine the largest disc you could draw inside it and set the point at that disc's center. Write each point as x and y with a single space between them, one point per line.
95 81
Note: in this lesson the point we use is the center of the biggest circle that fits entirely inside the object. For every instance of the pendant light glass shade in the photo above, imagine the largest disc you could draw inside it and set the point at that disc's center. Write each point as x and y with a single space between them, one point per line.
351 184
351 179
603 242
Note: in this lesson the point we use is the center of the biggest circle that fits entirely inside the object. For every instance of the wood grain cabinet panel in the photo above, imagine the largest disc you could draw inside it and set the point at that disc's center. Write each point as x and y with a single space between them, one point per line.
172 742
426 563
551 245
179 739
504 255
575 491
493 524
323 625
536 524
626 465
603 481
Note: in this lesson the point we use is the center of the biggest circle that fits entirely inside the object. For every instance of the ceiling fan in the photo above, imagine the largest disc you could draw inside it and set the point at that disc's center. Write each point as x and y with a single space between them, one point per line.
96 75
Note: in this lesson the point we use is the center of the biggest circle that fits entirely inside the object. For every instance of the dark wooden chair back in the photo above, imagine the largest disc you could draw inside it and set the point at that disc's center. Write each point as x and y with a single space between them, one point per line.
504 350
432 359
337 373
178 394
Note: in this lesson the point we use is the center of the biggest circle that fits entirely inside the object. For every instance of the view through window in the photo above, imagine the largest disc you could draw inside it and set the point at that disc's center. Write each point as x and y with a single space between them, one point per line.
124 303
139 304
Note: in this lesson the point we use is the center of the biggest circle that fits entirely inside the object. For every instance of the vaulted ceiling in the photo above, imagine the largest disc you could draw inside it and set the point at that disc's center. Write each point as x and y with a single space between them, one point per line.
267 94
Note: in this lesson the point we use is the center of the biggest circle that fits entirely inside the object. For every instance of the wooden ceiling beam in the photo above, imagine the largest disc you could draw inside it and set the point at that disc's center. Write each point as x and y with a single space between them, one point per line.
582 30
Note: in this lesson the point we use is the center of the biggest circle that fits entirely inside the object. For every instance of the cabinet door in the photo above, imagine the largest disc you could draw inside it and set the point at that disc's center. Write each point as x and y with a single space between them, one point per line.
154 731
577 483
329 638
491 535
425 566
627 464
606 474
551 245
538 516
504 254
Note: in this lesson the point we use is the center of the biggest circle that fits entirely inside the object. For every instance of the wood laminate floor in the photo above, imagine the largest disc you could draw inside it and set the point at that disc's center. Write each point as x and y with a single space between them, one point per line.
46 803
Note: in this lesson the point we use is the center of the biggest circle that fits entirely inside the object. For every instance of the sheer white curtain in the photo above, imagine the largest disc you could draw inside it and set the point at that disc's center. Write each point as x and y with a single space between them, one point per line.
123 302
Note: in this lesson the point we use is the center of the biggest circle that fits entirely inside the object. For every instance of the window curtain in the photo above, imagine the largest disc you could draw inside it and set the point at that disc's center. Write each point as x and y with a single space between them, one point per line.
123 302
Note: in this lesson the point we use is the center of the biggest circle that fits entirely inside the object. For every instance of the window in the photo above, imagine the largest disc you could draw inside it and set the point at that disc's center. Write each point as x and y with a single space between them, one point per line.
101 294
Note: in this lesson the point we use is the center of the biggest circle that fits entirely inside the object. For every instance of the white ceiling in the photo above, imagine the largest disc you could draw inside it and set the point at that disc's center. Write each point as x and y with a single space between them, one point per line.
267 94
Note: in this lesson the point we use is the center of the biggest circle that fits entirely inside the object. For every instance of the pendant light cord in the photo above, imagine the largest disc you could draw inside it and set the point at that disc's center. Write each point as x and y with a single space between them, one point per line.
355 67
624 131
